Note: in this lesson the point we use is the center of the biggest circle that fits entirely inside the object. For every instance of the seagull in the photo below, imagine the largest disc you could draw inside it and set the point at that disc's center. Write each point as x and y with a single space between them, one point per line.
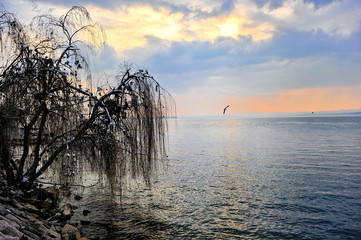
224 110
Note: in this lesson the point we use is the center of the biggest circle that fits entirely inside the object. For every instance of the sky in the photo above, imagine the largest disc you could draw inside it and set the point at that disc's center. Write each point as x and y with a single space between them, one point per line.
257 56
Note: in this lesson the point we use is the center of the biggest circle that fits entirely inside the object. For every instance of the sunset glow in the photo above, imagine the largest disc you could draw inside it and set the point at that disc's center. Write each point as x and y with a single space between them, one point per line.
300 100
257 56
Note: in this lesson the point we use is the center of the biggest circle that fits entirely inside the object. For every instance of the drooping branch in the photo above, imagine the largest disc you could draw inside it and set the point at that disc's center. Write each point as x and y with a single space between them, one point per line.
45 87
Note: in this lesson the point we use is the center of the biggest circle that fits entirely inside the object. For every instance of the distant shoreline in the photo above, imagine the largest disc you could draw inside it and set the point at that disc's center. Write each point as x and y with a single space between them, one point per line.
356 112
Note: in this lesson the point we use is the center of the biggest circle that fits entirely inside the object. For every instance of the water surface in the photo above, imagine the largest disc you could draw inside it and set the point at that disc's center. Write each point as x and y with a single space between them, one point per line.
238 178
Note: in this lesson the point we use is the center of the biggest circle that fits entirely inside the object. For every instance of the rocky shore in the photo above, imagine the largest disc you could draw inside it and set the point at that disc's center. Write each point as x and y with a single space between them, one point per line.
35 214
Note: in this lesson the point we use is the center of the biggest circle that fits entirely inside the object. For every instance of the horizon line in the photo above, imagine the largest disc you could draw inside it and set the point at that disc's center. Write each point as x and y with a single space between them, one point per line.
300 113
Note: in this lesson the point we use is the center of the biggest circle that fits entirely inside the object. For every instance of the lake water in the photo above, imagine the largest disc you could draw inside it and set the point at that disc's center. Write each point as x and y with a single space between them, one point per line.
236 178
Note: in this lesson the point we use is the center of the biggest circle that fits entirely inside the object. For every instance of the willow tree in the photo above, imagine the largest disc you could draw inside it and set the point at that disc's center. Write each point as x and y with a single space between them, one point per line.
50 110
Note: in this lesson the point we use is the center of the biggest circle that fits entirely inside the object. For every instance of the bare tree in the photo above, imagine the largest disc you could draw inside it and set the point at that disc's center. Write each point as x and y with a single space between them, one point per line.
49 109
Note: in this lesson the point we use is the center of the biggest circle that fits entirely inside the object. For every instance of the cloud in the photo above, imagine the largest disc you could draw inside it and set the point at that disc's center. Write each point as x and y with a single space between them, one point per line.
130 26
254 81
336 18
26 10
131 23
249 50
293 60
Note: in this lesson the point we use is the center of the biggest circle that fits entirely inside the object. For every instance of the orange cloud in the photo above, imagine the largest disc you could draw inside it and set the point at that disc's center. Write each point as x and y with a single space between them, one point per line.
129 27
319 99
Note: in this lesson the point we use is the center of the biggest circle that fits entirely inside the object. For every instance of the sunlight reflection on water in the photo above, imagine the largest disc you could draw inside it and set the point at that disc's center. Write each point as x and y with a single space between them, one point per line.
264 178
234 178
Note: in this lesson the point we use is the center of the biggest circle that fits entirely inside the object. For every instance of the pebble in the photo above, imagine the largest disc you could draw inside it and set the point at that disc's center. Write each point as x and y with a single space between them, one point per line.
20 219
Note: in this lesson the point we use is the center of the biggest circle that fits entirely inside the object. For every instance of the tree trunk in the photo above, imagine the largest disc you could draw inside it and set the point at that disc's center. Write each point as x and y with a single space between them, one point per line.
5 154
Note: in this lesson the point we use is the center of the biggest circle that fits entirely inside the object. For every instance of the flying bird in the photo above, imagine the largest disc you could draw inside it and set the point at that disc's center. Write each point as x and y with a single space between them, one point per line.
224 110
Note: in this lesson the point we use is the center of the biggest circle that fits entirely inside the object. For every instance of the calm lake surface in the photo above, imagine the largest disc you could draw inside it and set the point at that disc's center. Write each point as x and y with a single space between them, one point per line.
238 178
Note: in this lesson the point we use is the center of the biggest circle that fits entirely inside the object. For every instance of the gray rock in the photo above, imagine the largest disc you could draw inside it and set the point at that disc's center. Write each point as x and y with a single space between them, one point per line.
31 208
34 230
2 210
13 221
71 231
57 216
7 237
5 200
53 194
67 212
48 203
7 229
53 234
31 235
